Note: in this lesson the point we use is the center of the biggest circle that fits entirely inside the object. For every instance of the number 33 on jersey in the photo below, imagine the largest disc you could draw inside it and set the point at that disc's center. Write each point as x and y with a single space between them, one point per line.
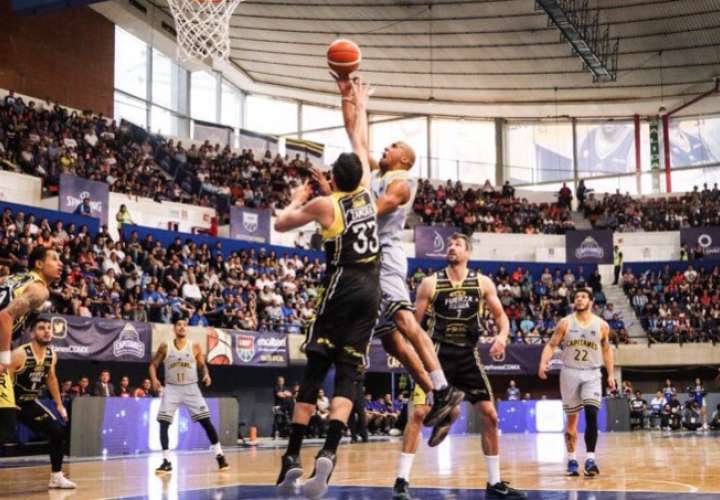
353 237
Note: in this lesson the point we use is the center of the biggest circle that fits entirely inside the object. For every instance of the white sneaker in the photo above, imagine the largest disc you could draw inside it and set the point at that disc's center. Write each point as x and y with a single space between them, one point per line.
61 483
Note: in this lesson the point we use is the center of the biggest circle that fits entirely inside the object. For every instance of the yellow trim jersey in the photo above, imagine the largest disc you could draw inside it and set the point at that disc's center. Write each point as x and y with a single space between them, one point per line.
31 379
352 238
12 287
7 394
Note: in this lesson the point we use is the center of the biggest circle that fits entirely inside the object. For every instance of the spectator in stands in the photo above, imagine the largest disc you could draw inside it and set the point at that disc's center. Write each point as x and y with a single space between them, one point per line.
145 390
715 419
638 406
302 241
657 405
389 408
692 417
124 391
618 333
316 241
103 387
373 415
317 426
669 390
82 388
672 414
617 264
565 196
123 219
282 401
84 208
580 193
512 393
66 393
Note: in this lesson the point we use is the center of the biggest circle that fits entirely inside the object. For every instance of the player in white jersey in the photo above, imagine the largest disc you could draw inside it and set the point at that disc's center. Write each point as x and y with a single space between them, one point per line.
584 339
393 189
181 359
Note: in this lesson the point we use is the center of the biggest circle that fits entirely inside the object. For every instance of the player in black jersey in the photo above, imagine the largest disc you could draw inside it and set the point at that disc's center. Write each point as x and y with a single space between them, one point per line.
23 293
455 299
32 370
345 317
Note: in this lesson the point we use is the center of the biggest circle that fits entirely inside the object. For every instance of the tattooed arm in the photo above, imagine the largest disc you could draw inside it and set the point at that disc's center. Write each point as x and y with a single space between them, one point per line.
31 299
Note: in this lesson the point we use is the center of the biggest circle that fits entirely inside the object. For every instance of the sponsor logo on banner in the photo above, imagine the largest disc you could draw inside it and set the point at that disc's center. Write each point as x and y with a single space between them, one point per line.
245 347
59 327
73 190
431 241
128 343
589 249
250 222
708 238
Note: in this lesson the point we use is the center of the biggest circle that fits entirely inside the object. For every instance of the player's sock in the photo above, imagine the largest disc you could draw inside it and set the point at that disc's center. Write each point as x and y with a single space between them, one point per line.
336 428
590 456
297 433
405 465
492 462
438 379
571 455
166 455
5 357
56 475
217 449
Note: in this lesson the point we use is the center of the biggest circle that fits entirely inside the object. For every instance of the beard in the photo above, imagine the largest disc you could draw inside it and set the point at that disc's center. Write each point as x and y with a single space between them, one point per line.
581 309
43 342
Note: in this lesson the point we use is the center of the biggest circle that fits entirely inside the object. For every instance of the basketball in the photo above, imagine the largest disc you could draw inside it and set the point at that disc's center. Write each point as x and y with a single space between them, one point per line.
343 56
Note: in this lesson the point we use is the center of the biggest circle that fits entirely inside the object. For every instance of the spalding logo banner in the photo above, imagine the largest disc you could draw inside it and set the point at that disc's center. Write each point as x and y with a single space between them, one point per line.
249 224
99 339
589 247
74 190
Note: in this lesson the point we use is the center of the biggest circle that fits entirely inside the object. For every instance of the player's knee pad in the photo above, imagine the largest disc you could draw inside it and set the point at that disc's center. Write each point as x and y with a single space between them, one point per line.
347 380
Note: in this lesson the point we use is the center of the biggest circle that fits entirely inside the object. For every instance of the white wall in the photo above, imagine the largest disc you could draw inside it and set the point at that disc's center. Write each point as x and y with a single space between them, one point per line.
644 247
146 212
20 188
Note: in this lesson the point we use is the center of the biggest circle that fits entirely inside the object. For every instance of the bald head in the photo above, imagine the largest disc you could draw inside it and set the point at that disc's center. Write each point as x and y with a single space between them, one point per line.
397 156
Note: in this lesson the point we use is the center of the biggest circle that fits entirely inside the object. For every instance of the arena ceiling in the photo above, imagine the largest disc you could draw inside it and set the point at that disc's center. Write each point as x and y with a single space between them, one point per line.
489 51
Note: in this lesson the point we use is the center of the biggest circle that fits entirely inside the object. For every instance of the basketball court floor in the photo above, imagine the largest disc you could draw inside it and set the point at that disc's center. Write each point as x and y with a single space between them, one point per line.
633 466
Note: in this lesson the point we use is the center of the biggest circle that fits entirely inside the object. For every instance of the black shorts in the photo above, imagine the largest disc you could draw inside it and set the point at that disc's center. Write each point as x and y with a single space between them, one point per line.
36 416
464 370
7 425
346 315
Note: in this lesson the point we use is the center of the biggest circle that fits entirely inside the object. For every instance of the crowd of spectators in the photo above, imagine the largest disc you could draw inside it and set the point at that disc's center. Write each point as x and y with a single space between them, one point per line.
488 210
675 305
142 280
46 140
623 213
103 387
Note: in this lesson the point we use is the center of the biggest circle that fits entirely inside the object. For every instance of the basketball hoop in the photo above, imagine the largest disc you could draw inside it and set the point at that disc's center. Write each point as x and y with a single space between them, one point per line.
203 27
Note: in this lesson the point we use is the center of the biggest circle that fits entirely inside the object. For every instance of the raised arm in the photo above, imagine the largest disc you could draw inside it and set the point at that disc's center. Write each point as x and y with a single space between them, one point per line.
32 298
54 389
549 349
200 360
299 213
155 364
498 313
397 194
608 355
359 137
423 297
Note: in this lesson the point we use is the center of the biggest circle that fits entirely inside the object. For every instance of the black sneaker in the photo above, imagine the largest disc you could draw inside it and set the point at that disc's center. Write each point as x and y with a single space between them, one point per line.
591 468
317 485
502 490
444 401
440 431
165 467
222 463
290 472
401 490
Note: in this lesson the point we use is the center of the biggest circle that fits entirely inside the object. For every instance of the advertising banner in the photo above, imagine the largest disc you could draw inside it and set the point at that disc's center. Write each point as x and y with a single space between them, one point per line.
99 339
244 348
589 247
381 362
249 224
707 237
74 190
431 241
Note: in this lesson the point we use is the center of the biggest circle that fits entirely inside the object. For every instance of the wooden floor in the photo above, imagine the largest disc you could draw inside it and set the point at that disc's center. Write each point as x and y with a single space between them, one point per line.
631 462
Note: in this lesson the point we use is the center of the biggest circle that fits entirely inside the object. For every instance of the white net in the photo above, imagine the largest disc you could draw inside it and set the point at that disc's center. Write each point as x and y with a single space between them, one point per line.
203 27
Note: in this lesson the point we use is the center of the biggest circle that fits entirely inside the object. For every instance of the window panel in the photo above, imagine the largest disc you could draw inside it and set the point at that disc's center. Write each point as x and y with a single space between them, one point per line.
169 86
335 141
538 152
463 150
605 148
270 116
315 117
231 107
130 109
694 141
131 64
203 96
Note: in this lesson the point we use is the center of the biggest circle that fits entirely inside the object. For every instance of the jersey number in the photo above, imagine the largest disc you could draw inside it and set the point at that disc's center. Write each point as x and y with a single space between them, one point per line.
180 378
581 354
365 241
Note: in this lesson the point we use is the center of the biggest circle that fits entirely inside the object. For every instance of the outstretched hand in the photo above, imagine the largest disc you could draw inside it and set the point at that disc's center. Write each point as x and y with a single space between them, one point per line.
361 91
344 84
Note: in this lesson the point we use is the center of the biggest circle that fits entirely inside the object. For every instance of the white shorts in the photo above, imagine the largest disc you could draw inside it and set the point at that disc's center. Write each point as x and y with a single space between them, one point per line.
187 395
393 285
579 388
